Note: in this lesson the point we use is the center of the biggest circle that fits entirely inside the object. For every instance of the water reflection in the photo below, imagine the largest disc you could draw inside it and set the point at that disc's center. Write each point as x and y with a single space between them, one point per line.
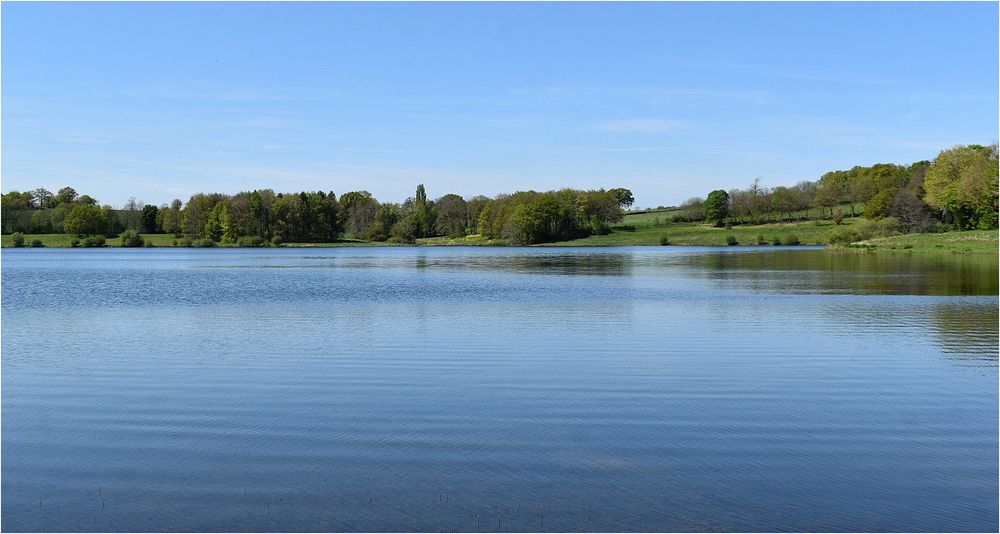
819 271
967 333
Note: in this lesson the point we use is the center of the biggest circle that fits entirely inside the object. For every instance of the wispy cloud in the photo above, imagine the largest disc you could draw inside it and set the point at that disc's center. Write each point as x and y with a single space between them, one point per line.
640 126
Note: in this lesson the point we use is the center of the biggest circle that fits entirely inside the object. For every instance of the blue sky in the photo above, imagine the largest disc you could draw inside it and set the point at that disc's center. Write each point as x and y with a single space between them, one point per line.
162 100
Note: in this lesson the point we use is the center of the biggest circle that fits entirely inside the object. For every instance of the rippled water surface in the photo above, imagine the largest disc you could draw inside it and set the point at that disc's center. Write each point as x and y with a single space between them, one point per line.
458 389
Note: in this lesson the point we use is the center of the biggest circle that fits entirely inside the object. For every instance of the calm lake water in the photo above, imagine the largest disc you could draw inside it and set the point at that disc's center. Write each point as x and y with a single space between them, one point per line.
512 389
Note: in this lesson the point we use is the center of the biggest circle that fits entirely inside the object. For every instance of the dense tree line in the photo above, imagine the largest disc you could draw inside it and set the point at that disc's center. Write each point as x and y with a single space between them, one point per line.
958 188
259 216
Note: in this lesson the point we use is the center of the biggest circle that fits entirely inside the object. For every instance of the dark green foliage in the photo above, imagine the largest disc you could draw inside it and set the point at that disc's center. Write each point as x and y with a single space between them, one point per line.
37 243
131 238
251 241
838 217
74 243
761 240
716 207
664 240
94 241
149 215
451 216
624 197
731 240
776 241
791 239
205 243
17 239
276 241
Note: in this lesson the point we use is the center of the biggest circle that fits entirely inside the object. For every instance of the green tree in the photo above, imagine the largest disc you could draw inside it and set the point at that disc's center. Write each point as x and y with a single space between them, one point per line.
452 216
624 196
149 213
422 212
962 182
65 195
717 206
85 219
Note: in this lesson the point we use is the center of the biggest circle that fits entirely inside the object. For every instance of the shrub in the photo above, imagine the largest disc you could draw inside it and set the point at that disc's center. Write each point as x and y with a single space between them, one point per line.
731 240
17 239
395 240
250 241
148 244
838 217
866 228
888 226
792 239
776 241
131 238
664 240
843 236
276 241
94 241
74 243
761 240
187 242
37 243
205 243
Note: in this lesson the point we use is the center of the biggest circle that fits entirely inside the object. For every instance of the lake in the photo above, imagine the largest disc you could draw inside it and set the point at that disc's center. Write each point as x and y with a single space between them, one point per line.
498 389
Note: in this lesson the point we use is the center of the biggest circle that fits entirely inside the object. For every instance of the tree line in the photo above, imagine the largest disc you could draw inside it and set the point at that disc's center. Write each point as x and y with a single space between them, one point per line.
958 188
263 216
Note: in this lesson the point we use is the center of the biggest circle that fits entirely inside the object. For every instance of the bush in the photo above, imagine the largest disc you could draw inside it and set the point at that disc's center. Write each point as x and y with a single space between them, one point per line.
74 243
866 228
94 241
37 243
276 241
889 226
395 240
205 243
131 238
776 241
664 240
838 217
731 240
792 239
148 244
250 241
843 236
17 239
187 242
761 240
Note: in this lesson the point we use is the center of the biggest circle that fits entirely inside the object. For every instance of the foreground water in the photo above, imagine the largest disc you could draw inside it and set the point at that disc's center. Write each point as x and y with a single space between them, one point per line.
463 389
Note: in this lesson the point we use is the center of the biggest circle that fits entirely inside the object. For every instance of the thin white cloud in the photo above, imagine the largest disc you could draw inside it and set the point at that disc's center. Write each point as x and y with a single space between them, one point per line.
640 126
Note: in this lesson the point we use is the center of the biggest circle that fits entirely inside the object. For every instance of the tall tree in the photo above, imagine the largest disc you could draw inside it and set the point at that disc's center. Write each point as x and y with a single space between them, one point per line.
717 206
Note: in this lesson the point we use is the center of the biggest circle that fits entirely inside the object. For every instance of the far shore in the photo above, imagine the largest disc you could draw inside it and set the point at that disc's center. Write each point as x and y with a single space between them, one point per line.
980 242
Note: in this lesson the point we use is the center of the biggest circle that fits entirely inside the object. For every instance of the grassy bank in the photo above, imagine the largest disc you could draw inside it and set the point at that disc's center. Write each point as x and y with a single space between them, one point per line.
805 233
636 231
968 242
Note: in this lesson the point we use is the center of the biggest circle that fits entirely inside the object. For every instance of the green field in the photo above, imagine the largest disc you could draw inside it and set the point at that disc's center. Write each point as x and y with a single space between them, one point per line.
968 242
807 232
